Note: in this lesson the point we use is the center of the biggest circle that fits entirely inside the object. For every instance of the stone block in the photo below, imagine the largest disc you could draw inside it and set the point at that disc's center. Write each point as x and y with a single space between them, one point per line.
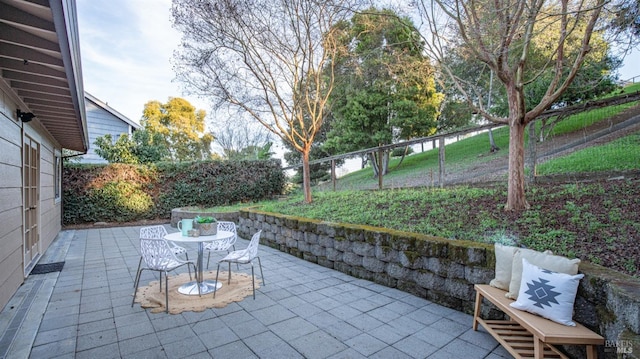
459 289
342 244
290 242
304 247
310 238
398 271
478 275
374 265
410 259
386 254
325 262
334 255
412 287
429 280
385 279
317 250
325 241
309 257
352 259
363 249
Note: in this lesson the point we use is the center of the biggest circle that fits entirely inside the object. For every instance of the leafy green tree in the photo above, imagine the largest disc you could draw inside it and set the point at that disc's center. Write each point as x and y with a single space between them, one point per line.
120 151
385 90
181 127
140 147
149 147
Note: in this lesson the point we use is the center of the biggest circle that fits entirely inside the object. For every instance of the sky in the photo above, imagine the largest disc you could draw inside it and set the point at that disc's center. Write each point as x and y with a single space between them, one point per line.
127 47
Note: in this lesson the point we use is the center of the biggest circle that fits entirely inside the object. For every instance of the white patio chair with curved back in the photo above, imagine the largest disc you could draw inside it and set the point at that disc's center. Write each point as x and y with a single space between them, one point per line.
244 256
159 256
222 245
159 232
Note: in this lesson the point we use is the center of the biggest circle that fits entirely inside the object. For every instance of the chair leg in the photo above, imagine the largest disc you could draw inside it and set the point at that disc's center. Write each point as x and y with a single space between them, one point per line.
261 275
216 287
208 257
135 286
229 280
253 282
166 289
137 270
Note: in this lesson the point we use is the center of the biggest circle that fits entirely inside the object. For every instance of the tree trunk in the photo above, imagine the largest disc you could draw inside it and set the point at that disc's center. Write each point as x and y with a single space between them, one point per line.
516 200
306 176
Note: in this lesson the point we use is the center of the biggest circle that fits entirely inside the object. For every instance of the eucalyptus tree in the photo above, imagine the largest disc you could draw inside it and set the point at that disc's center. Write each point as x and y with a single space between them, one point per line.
385 88
181 126
269 59
501 34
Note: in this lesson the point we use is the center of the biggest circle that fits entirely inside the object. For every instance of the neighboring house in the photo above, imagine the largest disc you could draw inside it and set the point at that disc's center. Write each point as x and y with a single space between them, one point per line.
40 75
102 120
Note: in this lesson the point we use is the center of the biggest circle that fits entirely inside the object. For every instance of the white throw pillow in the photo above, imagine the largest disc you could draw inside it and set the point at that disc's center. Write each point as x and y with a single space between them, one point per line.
547 293
541 259
504 260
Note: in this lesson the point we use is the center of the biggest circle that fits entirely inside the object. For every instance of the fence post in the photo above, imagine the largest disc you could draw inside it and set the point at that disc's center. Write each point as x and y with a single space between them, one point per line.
333 174
441 161
379 167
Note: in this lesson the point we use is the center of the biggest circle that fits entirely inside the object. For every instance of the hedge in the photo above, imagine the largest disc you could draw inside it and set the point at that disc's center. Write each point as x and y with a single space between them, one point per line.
126 193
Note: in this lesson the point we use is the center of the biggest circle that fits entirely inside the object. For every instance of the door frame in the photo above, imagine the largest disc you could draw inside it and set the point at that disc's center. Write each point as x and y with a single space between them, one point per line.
32 246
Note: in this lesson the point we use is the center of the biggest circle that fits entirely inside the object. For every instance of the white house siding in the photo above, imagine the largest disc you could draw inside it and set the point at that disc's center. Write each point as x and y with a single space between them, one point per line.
11 202
99 123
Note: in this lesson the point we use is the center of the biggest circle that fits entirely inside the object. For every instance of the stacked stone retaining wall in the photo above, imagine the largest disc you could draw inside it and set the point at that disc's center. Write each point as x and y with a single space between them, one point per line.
444 271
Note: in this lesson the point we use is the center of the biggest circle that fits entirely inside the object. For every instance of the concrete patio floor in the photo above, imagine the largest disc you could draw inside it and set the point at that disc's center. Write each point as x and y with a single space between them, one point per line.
303 311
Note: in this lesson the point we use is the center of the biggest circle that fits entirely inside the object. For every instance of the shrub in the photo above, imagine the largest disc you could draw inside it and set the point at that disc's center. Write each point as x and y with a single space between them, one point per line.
124 193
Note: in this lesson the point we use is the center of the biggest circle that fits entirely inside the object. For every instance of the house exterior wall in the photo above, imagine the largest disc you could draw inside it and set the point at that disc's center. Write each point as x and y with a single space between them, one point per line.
99 123
12 263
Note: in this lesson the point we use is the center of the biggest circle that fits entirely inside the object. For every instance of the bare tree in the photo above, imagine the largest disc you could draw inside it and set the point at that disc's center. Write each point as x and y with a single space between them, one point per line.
503 35
236 137
268 59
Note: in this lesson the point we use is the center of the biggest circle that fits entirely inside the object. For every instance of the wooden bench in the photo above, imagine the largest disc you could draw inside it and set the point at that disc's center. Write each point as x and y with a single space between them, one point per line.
526 335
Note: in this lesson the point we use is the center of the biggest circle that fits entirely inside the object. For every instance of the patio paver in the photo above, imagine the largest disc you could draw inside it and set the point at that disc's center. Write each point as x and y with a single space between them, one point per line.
304 311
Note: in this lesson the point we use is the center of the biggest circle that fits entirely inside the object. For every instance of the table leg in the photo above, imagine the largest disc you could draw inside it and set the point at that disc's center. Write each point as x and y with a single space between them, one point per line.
206 286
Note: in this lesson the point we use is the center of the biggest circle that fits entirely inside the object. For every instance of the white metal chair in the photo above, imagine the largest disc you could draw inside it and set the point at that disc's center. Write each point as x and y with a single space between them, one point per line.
158 256
222 245
159 232
243 257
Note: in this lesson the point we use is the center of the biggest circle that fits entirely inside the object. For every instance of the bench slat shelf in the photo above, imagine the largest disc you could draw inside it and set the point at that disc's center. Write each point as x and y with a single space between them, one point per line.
526 335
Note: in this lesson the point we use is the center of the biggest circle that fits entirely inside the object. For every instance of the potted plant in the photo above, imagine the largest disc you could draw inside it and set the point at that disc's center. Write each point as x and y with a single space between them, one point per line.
208 226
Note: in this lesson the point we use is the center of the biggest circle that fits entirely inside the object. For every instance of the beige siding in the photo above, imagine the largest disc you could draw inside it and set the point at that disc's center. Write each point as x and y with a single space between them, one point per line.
50 216
11 209
11 254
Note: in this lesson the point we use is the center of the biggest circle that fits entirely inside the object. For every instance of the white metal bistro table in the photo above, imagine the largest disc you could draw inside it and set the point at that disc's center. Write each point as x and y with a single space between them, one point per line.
206 286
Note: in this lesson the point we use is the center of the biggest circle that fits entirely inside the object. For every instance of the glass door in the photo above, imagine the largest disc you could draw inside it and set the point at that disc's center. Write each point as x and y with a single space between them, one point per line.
31 198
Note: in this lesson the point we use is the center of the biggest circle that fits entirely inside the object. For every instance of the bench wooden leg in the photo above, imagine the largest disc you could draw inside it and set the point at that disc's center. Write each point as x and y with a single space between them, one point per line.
476 311
592 353
538 348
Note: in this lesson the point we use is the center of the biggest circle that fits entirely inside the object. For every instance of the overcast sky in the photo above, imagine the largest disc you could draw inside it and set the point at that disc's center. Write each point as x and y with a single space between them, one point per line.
127 46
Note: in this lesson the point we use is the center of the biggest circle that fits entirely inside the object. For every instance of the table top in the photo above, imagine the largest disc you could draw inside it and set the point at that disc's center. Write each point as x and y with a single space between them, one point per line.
178 237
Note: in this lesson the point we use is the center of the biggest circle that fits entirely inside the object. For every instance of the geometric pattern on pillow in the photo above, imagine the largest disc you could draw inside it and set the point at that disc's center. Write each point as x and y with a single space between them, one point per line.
547 293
